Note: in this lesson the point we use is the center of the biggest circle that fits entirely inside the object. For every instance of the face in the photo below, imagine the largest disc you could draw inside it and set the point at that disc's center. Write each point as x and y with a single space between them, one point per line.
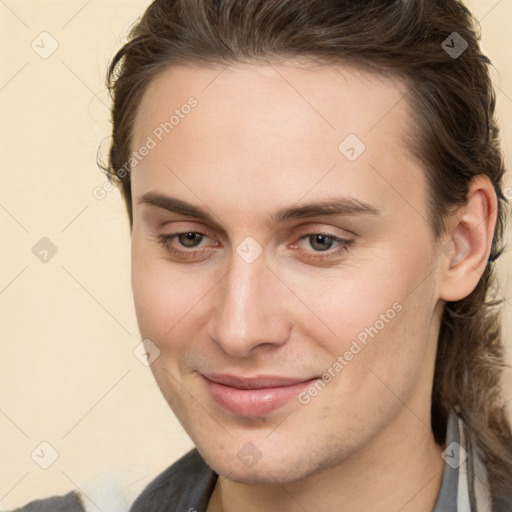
282 263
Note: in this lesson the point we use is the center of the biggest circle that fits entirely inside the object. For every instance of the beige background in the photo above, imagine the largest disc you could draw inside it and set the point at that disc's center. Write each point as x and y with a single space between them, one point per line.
68 374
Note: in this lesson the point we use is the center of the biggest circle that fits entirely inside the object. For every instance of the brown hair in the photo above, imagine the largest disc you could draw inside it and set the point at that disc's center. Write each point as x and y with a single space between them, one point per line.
457 139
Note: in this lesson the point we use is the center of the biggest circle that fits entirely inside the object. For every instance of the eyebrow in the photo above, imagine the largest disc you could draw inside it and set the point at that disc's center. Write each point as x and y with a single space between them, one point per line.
333 207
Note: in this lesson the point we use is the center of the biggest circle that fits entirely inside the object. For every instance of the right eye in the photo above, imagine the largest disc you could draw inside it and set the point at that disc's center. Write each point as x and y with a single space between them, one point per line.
188 239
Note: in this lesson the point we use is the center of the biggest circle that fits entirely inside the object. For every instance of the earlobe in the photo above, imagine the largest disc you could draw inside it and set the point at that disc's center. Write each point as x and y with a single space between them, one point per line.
467 249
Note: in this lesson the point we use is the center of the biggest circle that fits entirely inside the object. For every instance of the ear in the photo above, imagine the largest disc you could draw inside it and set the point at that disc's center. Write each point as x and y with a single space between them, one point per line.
468 243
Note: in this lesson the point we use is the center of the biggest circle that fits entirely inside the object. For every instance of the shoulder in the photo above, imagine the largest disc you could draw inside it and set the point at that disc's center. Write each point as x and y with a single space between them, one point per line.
70 502
186 484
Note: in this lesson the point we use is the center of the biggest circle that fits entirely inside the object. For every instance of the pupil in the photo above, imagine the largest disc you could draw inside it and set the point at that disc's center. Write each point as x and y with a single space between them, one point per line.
322 239
190 237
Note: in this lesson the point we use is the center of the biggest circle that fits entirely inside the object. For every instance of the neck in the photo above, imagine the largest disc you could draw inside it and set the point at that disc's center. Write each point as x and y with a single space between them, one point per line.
400 469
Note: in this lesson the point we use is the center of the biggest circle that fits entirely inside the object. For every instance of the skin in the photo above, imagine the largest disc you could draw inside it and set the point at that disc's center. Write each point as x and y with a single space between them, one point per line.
265 137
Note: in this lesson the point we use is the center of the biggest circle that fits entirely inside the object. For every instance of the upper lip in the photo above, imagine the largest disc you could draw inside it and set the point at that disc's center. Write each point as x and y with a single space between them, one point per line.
265 381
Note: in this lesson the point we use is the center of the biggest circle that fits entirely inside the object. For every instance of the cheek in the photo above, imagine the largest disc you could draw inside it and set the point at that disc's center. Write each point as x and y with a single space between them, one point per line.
366 319
167 300
155 297
378 313
348 300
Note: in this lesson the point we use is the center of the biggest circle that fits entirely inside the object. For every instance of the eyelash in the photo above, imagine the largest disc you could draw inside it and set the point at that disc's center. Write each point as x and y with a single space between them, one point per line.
344 244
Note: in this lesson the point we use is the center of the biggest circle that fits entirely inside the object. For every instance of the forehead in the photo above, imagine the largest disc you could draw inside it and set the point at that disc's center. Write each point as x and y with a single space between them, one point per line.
257 127
328 98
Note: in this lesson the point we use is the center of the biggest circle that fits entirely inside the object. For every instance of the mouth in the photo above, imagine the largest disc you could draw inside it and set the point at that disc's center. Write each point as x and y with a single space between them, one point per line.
253 396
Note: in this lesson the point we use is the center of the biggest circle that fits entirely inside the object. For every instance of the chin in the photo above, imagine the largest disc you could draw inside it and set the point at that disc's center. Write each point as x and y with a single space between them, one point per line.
275 468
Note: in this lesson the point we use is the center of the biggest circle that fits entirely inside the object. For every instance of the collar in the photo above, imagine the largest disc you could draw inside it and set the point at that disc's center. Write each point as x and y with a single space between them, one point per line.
464 486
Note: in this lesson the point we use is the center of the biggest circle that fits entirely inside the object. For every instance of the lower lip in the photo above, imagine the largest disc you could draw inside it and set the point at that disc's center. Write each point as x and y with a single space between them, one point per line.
252 403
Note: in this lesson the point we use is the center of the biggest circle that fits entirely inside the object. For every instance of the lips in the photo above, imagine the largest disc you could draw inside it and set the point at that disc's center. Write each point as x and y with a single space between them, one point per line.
253 396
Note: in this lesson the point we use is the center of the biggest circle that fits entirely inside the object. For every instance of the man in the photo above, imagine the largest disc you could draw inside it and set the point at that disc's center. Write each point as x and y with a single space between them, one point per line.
314 195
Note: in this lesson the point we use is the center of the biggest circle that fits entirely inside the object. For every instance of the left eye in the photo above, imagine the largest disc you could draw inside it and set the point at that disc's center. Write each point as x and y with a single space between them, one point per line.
190 238
321 242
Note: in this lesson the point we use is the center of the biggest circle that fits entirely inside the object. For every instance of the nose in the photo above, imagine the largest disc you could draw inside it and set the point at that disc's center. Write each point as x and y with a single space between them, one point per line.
249 310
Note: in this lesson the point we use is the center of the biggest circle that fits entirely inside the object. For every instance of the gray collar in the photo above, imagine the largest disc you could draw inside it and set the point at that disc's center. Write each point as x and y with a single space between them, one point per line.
464 487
